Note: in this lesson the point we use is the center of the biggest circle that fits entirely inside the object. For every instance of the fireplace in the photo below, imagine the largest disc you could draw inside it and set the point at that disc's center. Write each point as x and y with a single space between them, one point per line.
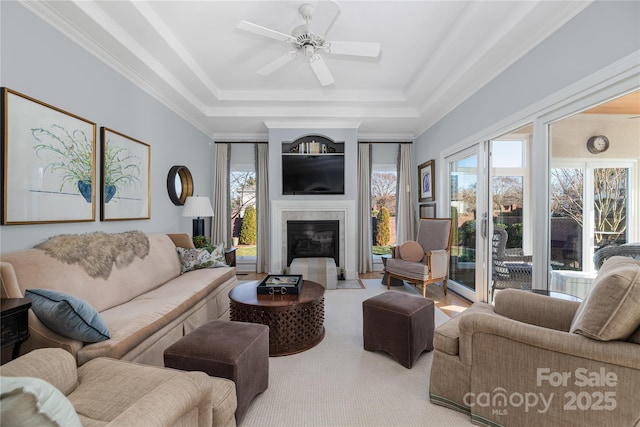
313 239
343 211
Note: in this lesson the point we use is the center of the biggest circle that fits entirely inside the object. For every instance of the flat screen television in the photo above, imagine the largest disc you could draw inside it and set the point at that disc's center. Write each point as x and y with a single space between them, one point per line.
323 174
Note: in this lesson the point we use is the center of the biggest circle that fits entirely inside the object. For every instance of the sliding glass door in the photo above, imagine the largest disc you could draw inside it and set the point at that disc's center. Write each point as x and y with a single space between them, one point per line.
467 204
489 193
511 260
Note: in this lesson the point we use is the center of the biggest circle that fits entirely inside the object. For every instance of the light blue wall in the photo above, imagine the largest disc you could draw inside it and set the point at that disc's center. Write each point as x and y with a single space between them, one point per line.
600 35
40 62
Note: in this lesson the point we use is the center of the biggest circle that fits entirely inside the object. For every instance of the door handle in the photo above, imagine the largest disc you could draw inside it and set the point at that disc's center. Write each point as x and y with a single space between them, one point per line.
484 226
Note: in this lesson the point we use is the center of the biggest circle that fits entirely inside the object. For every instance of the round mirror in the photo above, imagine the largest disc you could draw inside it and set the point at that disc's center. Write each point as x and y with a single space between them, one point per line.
179 184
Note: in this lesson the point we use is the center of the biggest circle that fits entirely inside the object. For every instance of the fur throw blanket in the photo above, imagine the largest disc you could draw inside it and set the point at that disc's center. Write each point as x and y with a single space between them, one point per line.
97 252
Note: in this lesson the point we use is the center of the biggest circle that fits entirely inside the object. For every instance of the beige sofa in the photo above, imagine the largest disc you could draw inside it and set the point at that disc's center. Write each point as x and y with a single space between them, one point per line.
532 360
108 392
147 305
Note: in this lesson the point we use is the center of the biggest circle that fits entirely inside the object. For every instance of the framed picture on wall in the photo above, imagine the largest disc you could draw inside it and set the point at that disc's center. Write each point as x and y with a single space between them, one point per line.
125 180
48 163
427 181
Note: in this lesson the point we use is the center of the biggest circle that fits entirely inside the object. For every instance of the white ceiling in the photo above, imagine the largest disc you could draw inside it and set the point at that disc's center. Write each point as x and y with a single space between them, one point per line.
190 56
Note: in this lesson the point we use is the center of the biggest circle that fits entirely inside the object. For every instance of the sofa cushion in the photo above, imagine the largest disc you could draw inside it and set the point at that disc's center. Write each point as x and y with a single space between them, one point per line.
194 259
132 322
409 269
411 251
35 269
67 315
182 240
611 310
26 401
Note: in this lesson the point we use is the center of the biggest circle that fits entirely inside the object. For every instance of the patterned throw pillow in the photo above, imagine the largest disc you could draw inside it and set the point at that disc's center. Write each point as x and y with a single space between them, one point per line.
217 254
194 259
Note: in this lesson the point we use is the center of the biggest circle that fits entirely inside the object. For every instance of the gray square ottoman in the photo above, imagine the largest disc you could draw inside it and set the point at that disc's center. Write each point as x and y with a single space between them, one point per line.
237 351
398 324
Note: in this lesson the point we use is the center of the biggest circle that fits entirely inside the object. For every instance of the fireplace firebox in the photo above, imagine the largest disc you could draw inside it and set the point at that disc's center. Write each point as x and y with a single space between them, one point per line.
313 239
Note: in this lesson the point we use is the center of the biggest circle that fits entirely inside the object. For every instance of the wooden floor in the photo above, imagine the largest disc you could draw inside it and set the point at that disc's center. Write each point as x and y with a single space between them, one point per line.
451 304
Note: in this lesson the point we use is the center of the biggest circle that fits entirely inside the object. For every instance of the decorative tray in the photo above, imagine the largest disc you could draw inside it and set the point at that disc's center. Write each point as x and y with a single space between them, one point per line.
280 284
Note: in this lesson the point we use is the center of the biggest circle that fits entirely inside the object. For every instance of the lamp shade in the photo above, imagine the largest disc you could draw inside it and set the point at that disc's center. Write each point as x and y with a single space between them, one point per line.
197 206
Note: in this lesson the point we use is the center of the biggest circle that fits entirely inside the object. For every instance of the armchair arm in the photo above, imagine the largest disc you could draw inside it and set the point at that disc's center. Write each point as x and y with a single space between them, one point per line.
438 262
54 365
394 252
618 353
170 401
535 309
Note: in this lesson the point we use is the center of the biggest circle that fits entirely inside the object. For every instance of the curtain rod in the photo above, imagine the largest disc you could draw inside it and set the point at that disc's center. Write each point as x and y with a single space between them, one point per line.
240 142
385 142
359 142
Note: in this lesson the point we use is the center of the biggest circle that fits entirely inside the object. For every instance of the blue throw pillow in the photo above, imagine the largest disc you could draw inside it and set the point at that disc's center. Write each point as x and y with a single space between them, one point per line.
69 316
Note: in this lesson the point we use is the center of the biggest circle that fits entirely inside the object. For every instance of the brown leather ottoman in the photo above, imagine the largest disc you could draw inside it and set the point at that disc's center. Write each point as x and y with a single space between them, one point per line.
398 324
237 351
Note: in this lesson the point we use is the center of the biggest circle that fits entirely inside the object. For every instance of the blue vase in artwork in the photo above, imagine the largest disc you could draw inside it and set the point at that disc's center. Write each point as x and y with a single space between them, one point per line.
109 192
85 190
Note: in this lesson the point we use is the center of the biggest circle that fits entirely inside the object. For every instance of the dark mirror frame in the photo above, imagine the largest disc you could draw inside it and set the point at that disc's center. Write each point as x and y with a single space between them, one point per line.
186 184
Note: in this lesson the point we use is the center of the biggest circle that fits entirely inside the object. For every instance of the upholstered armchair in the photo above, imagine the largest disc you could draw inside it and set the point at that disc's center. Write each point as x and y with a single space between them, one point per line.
425 260
45 385
533 360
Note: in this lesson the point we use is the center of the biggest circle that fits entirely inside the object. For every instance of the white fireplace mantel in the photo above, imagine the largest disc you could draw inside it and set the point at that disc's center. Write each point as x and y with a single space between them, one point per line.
285 210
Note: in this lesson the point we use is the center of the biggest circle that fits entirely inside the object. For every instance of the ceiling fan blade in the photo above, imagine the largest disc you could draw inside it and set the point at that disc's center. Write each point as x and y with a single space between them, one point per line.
321 70
273 66
324 15
353 48
263 31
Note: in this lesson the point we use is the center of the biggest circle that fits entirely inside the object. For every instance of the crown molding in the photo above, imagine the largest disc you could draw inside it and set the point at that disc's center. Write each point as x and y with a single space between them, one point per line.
309 124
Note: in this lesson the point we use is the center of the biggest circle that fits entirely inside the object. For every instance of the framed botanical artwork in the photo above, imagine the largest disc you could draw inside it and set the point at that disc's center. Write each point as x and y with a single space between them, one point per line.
125 180
48 163
427 181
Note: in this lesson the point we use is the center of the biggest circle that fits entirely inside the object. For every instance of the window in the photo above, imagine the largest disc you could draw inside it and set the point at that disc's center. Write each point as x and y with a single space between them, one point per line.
509 188
601 185
242 191
384 183
592 193
383 210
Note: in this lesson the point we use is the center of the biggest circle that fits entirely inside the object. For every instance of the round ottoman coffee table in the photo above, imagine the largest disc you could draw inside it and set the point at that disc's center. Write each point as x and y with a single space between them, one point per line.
296 322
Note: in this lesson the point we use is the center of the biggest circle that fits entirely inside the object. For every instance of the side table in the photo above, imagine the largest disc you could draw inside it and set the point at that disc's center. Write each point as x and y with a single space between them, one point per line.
230 256
14 323
394 281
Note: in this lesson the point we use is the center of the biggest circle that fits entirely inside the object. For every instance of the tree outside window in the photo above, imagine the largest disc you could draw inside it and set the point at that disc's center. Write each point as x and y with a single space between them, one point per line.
569 201
242 186
383 211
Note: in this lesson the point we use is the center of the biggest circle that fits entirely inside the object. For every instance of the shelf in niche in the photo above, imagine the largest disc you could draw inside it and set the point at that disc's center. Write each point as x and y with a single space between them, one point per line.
312 145
312 154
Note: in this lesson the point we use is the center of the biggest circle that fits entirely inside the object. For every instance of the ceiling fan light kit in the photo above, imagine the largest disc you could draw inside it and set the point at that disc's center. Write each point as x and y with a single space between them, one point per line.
308 39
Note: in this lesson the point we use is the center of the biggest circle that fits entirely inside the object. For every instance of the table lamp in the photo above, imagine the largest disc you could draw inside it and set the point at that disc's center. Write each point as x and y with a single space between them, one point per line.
197 207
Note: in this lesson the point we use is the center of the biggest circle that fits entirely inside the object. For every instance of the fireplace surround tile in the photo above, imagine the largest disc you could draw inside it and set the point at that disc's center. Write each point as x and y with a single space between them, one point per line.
313 210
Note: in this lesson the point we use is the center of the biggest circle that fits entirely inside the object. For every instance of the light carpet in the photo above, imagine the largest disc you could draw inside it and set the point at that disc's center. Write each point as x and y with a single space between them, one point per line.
338 383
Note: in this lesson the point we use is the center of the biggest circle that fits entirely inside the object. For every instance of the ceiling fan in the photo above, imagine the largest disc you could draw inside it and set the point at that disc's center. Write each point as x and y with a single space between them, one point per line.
309 40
